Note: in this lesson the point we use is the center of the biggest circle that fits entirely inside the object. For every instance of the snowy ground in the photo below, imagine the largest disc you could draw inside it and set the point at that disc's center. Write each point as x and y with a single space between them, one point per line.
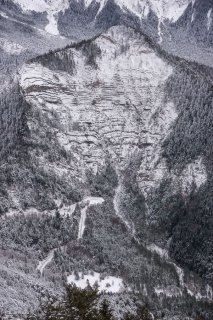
108 284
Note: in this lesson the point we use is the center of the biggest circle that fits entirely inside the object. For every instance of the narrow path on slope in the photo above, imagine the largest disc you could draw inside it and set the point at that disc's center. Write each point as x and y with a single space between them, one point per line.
85 204
42 264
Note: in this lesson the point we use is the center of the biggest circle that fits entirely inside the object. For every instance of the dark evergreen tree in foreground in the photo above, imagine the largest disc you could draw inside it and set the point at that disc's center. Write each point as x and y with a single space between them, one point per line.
142 314
81 304
84 304
105 311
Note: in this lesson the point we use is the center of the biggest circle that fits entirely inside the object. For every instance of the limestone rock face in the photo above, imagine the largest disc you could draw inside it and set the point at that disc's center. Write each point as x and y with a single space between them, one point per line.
115 106
100 102
112 106
108 102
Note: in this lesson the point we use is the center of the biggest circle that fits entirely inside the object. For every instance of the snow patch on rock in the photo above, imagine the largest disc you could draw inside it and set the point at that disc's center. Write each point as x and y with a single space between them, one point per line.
193 175
164 9
209 19
102 4
170 291
163 253
11 47
52 7
205 294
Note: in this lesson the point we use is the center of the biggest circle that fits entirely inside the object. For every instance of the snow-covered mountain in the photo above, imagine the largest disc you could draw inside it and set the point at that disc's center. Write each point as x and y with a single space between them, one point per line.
183 28
50 7
106 150
94 149
163 9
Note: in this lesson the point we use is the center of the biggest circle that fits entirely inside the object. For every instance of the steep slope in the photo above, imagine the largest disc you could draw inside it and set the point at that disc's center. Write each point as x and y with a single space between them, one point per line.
110 119
109 98
25 27
165 11
197 22
97 119
22 36
191 36
51 8
181 27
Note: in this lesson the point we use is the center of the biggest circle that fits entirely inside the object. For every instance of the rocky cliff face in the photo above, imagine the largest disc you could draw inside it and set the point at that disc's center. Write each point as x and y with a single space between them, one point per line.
111 104
96 118
180 26
109 139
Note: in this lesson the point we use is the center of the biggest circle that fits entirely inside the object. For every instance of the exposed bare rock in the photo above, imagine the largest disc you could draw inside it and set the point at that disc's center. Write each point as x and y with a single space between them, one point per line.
118 107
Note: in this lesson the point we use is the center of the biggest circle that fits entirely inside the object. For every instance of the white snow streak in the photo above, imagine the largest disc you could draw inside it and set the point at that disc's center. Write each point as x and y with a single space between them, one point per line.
170 291
42 264
116 203
2 14
163 253
164 9
209 19
82 222
52 7
193 17
86 203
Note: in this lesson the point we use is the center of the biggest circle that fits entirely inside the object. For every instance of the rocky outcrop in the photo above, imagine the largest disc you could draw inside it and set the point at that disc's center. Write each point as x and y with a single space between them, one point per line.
111 104
115 107
89 105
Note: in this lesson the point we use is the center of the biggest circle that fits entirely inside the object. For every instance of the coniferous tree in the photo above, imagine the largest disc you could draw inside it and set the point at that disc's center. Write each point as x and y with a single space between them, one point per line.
143 314
199 318
105 312
129 316
80 303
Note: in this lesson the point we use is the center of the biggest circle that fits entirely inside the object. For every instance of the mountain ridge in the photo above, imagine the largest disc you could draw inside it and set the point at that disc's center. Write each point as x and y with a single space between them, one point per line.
114 117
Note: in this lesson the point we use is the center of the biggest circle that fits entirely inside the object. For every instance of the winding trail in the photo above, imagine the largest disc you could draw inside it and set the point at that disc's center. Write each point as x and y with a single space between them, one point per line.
85 204
42 264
